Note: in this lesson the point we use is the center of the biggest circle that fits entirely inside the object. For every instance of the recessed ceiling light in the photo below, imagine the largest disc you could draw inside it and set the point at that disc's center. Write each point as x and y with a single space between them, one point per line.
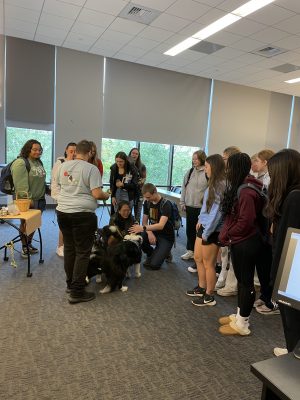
185 44
216 26
221 23
251 7
296 80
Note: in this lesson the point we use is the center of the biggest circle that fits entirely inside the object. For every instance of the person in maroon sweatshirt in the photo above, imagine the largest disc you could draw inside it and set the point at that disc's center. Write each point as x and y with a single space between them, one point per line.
242 209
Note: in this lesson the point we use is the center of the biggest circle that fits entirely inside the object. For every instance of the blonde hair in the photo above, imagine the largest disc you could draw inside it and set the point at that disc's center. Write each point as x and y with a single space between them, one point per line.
265 154
229 151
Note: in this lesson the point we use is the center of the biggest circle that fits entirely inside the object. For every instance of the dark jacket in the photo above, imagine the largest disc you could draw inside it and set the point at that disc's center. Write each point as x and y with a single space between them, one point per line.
290 218
131 188
242 223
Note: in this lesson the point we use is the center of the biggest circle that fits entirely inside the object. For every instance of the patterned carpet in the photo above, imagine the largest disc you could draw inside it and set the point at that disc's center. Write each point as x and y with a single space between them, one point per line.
147 343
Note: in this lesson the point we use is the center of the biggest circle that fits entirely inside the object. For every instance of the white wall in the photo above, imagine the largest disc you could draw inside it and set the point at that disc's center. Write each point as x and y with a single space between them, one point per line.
249 118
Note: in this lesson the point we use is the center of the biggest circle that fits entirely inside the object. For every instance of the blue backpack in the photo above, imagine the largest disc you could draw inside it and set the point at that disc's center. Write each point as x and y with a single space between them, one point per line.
6 180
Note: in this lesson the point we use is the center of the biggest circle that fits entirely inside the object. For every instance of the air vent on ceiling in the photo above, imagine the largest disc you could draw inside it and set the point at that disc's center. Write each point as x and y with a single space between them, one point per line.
206 47
269 51
286 68
138 13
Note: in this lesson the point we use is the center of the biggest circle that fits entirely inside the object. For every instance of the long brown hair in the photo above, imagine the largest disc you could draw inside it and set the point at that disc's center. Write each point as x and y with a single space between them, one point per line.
94 158
284 170
217 166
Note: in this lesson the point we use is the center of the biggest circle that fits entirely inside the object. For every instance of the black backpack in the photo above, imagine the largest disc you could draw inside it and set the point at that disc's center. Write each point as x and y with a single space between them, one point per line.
263 222
175 219
6 180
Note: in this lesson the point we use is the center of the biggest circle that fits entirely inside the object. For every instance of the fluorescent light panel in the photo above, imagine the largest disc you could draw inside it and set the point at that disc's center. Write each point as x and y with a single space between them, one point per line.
296 80
251 7
230 18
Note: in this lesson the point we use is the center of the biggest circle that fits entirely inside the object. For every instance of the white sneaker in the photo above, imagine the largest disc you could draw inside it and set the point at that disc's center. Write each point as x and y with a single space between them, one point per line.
279 351
60 251
226 292
268 311
258 303
220 284
188 255
192 269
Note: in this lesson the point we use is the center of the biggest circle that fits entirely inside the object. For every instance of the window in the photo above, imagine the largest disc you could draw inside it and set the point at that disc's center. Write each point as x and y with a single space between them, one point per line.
156 156
182 161
17 137
110 147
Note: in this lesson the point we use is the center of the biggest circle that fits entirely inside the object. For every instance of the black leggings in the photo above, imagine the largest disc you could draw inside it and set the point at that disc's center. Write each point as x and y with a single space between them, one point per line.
192 215
244 257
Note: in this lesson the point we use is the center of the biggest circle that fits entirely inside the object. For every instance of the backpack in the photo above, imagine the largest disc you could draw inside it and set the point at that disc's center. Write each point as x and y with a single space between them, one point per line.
175 219
189 177
6 180
263 222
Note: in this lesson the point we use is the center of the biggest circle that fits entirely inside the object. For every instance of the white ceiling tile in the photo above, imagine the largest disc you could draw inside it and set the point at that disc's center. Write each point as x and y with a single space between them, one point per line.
144 43
83 40
153 33
74 2
56 21
16 24
51 32
188 9
245 27
267 63
19 34
95 18
293 5
231 65
287 57
105 52
269 35
160 5
23 14
126 26
229 53
192 55
191 29
289 43
172 40
48 40
61 9
113 7
125 57
154 56
211 16
291 25
247 44
271 14
133 51
249 58
106 45
87 29
230 5
211 3
117 37
264 75
177 61
76 46
225 38
30 4
170 22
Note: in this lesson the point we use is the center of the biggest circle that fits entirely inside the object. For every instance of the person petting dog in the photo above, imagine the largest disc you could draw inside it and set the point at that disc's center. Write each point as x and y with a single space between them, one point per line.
80 187
157 229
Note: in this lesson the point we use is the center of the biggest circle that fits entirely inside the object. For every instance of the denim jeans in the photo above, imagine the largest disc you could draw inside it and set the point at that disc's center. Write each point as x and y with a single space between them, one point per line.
78 230
160 252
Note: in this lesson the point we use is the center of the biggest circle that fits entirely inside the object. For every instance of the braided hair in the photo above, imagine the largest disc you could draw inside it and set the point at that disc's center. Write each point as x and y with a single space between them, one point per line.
238 168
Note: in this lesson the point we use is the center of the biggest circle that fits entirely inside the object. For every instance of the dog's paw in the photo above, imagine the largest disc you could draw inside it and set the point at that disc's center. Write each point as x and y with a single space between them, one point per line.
98 278
106 289
124 288
87 281
138 274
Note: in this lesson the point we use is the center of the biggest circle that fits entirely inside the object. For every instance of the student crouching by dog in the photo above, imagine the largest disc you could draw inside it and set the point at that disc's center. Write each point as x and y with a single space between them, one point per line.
80 187
157 228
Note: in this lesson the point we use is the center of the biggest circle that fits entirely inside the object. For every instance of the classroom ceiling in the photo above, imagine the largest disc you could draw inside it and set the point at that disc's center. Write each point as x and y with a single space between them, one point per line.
95 26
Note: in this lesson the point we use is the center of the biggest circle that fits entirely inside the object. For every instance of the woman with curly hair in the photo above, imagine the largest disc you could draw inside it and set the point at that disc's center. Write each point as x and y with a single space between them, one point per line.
242 207
32 182
208 227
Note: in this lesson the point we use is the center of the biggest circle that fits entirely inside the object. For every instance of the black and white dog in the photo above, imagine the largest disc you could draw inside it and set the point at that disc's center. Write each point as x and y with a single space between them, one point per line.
114 259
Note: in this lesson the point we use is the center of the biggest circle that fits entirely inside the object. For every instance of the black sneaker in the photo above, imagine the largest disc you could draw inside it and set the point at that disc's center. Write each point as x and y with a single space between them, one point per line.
206 300
151 267
196 292
85 296
147 261
33 250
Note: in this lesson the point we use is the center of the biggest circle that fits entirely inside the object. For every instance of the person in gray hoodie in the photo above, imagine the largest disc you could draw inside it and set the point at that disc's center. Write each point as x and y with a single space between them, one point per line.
192 192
